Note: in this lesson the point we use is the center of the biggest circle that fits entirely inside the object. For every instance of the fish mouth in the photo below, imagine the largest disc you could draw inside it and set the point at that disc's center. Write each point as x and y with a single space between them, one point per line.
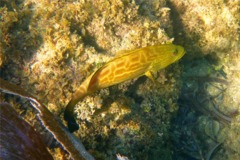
183 52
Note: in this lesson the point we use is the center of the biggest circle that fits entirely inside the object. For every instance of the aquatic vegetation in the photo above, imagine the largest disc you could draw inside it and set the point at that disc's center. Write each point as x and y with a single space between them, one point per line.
202 96
132 64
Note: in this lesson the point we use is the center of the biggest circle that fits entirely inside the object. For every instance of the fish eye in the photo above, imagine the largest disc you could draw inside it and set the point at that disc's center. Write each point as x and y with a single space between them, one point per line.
175 52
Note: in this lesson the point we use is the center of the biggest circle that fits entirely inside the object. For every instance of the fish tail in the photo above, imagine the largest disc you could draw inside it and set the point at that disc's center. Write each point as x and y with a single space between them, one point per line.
69 110
69 117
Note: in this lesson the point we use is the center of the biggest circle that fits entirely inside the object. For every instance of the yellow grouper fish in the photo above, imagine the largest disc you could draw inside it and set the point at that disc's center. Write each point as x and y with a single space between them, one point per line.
132 64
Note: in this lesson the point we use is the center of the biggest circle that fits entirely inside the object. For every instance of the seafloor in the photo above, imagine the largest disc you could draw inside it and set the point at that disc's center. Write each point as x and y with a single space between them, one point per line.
49 47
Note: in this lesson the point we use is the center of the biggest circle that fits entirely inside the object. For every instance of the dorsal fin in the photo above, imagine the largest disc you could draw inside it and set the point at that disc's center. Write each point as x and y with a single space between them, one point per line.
121 53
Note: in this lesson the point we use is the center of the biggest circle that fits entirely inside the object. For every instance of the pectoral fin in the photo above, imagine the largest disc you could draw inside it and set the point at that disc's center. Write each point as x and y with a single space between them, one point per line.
150 76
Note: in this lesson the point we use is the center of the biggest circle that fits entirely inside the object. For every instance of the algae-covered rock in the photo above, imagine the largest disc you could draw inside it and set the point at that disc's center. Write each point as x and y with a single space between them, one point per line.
50 47
210 33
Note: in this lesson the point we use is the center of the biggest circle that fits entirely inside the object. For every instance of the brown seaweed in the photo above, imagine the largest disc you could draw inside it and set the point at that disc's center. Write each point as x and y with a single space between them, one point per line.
19 140
70 142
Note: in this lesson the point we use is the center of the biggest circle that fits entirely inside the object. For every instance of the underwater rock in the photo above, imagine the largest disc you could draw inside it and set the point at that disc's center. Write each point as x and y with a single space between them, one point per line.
18 139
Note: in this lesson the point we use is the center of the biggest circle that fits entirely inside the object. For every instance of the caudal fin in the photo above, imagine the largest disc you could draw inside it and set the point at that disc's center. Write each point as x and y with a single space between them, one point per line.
69 117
